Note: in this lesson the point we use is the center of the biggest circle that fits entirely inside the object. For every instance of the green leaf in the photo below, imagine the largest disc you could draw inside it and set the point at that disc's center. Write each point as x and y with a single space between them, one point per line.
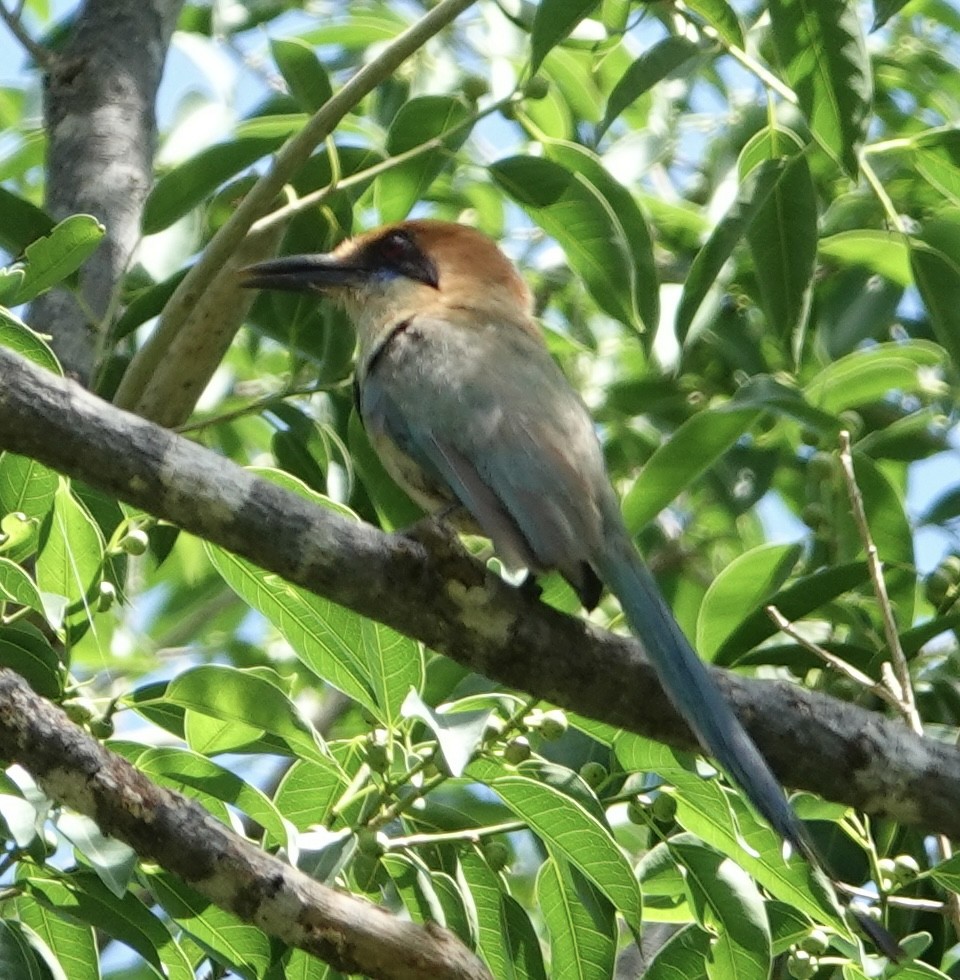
495 944
690 451
248 698
394 666
20 222
936 155
26 486
195 775
71 553
49 260
743 947
753 195
552 22
568 828
870 374
721 17
582 924
797 600
573 211
644 280
743 586
722 820
684 954
193 181
26 650
459 733
20 819
651 67
72 943
882 252
308 791
241 947
783 234
302 71
890 530
112 860
936 271
17 957
82 896
821 46
20 338
430 117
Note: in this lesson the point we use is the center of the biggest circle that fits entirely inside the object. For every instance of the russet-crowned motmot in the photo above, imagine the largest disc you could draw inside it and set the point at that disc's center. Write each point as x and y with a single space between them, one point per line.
467 410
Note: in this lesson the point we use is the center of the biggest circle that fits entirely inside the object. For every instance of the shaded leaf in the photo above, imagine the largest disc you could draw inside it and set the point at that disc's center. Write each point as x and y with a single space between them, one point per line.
51 259
823 52
302 71
552 22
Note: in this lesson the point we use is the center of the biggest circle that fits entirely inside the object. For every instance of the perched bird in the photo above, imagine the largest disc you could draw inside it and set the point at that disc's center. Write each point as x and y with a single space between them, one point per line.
467 410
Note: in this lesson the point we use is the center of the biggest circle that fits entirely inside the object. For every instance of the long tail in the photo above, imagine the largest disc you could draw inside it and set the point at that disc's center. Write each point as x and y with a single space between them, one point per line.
692 691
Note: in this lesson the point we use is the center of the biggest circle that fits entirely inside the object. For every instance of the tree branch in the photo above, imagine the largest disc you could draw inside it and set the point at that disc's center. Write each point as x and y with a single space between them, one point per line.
179 835
456 606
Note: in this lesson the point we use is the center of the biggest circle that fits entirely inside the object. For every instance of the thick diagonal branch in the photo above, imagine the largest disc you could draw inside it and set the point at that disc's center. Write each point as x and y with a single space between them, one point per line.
457 607
179 835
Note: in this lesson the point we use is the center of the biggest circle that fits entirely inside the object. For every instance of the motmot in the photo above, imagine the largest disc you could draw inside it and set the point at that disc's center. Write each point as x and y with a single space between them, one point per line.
474 419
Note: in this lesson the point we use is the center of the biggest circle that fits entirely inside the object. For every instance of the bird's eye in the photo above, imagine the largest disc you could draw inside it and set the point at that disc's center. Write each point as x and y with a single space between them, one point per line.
395 248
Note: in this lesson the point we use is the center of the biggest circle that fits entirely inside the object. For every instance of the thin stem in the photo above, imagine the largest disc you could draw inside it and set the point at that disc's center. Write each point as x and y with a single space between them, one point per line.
873 180
299 204
473 834
905 698
44 58
850 672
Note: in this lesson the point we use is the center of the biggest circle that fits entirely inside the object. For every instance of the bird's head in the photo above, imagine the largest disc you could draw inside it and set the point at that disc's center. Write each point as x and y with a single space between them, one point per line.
402 270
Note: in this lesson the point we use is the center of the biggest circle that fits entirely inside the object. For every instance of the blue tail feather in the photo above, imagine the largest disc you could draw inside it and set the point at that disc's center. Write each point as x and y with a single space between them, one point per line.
692 691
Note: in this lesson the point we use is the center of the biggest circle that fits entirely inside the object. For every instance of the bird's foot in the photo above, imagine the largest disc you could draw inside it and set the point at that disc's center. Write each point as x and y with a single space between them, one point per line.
530 587
435 533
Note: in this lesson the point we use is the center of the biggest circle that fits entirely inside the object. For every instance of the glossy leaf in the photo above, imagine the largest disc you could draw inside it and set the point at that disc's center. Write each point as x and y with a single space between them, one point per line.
428 118
568 828
652 66
238 945
302 71
83 897
871 374
193 181
742 587
797 600
644 279
753 195
783 235
821 46
20 222
574 211
936 272
51 259
552 22
882 252
743 946
248 698
690 451
71 553
580 921
721 17
71 943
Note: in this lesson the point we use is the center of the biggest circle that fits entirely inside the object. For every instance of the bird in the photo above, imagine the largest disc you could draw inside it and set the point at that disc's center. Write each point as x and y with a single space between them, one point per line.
471 415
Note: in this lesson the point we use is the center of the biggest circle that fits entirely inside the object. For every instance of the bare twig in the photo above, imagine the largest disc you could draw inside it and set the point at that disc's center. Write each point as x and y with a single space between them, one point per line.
837 663
906 702
41 55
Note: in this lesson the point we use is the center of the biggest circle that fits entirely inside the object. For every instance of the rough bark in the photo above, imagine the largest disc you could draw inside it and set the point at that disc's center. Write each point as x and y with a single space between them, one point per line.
441 596
99 117
175 832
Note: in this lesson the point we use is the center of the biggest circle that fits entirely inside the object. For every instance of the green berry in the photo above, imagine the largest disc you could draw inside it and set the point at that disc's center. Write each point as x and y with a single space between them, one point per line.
553 725
497 854
517 750
593 774
135 542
